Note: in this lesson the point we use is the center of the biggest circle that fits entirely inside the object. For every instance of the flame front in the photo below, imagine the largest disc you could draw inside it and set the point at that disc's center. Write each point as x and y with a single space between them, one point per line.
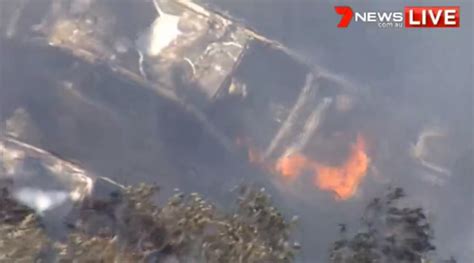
342 180
345 179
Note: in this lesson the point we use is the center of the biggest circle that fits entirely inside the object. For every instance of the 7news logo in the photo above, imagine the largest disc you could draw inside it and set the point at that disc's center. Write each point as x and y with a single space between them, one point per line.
412 16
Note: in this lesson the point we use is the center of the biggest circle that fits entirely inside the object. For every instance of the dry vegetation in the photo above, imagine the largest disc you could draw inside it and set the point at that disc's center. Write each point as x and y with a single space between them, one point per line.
186 229
131 228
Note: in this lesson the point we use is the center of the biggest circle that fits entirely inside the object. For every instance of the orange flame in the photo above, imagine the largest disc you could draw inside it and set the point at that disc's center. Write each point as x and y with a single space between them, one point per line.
292 166
342 180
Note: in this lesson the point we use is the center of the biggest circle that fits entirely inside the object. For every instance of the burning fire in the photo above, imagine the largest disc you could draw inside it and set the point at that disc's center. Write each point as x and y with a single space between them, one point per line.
292 166
342 180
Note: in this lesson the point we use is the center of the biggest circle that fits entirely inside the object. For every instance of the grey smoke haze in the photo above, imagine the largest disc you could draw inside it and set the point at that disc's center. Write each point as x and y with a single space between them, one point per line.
415 79
411 79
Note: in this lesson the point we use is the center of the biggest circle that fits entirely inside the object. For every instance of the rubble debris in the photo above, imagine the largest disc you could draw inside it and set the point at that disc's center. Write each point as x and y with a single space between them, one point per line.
291 119
195 58
427 152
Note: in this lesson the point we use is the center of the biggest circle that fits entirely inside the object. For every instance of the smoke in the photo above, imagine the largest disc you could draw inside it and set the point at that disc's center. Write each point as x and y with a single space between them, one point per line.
408 81
40 200
413 80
